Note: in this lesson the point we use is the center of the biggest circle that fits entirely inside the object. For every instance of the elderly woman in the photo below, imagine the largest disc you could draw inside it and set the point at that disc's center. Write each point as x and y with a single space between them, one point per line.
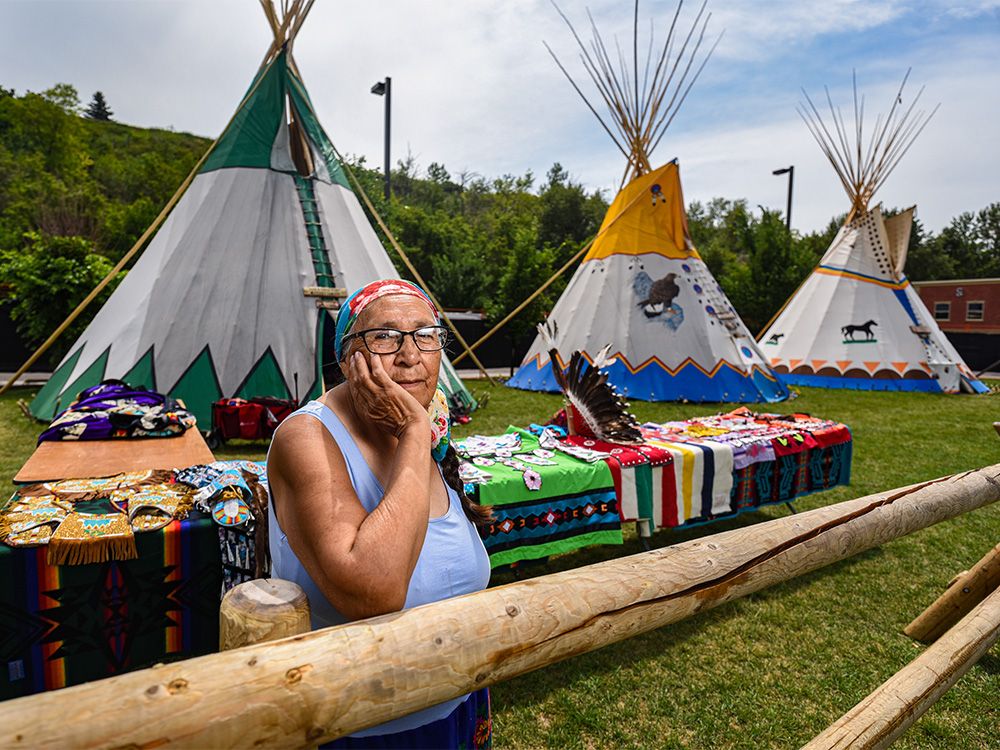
367 511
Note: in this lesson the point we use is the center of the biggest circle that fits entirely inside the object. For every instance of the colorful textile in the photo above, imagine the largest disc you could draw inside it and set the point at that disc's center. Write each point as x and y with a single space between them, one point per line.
703 475
791 476
775 458
468 727
575 506
64 625
440 421
85 538
113 409
92 520
353 305
643 477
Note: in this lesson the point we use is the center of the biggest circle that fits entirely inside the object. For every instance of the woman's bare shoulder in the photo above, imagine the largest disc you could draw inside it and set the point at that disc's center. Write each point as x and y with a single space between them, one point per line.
302 444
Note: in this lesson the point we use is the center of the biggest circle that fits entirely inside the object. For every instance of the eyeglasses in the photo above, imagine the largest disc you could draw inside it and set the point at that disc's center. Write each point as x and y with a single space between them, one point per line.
390 340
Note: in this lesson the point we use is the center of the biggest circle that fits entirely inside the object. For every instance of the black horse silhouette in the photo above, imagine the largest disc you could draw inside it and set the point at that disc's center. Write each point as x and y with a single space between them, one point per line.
850 330
775 337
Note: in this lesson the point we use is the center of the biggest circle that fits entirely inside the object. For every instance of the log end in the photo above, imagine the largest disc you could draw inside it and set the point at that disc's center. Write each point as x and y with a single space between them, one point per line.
264 609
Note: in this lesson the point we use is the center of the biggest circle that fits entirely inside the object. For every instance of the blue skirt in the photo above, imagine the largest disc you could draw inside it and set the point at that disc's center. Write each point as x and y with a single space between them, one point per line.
468 727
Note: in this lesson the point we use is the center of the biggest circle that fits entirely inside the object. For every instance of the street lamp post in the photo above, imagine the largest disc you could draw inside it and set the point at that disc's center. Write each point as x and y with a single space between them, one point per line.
384 88
791 176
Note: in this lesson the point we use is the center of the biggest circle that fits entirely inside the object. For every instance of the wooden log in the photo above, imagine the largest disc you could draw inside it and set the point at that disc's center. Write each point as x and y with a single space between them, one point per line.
879 719
314 687
964 592
264 609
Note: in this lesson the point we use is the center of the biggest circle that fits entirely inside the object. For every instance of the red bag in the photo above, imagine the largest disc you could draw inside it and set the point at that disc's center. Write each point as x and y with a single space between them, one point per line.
236 418
274 411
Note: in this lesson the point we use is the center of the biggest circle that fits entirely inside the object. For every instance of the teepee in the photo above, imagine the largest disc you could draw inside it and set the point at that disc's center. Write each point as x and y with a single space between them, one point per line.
230 297
856 322
642 287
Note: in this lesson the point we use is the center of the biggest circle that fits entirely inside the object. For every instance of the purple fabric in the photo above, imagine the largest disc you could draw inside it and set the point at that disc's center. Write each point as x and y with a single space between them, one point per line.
114 409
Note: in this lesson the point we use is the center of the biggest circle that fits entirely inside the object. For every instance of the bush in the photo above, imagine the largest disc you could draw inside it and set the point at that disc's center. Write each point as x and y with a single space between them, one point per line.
45 279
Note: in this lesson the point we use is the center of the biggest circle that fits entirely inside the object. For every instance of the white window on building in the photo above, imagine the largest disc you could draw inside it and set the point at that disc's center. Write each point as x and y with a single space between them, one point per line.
942 311
974 310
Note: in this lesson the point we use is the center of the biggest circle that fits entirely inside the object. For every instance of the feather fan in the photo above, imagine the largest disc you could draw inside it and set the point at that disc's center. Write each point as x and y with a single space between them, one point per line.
594 408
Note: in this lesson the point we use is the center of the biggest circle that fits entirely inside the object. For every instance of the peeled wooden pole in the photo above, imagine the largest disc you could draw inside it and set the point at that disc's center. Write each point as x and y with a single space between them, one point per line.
261 610
965 591
889 711
311 688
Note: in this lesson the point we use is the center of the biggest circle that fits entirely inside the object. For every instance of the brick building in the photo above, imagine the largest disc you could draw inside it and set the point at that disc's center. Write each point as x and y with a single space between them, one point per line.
968 311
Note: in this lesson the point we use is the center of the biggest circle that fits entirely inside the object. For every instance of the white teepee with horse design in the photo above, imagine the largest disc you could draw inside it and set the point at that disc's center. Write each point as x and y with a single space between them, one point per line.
856 322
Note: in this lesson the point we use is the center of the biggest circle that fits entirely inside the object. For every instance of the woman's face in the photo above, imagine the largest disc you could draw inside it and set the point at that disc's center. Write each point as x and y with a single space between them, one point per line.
413 369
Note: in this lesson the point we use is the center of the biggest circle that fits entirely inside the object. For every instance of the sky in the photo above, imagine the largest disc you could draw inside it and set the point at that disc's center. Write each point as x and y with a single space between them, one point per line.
474 88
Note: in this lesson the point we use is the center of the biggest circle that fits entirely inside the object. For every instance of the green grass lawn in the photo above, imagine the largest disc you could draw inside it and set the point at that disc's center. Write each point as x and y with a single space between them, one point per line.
775 668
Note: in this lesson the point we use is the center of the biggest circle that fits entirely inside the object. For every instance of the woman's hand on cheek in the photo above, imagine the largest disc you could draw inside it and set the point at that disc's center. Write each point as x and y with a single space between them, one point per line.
379 399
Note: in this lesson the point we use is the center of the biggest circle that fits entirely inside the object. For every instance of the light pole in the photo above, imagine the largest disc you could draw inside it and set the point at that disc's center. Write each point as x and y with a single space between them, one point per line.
791 177
384 88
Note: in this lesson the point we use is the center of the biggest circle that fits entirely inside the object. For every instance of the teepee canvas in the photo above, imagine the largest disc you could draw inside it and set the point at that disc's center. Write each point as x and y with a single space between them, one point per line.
642 287
217 305
856 322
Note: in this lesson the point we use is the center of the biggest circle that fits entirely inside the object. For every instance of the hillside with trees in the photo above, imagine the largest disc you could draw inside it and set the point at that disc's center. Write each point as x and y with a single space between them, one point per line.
78 189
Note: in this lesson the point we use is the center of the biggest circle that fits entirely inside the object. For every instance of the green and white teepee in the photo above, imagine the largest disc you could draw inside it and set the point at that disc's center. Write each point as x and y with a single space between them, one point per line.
216 306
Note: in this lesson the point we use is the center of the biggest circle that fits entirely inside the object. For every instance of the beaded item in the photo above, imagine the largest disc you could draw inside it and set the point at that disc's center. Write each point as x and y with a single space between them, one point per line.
83 538
153 509
76 490
437 412
29 522
231 509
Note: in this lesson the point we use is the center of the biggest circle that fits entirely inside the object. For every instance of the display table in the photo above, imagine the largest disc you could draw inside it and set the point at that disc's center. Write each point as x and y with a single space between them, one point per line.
684 473
82 459
575 506
63 625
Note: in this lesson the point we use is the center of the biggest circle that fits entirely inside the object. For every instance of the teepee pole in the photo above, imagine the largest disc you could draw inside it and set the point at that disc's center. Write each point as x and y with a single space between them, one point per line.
782 308
412 268
546 285
486 336
139 244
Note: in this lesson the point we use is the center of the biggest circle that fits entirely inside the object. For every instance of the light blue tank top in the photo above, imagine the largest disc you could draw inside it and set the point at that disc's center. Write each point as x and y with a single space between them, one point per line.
453 560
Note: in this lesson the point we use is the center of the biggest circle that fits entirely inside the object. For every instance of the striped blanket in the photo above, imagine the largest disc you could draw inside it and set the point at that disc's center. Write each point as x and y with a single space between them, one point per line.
702 469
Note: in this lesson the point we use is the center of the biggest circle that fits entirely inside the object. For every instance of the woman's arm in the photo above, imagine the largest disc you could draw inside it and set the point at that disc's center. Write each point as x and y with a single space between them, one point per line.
362 562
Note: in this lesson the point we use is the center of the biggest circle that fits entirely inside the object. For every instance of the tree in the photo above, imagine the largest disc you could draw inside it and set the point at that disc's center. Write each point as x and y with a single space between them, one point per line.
45 279
437 173
98 108
568 215
65 96
972 243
